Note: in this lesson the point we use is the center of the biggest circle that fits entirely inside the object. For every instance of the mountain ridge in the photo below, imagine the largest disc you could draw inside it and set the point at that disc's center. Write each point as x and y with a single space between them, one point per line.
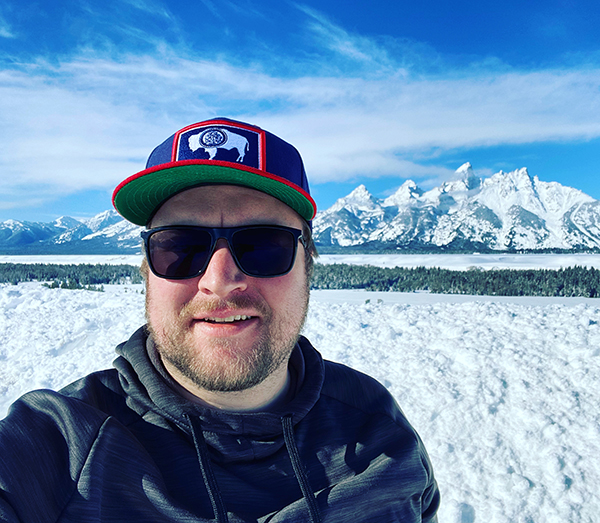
105 233
507 212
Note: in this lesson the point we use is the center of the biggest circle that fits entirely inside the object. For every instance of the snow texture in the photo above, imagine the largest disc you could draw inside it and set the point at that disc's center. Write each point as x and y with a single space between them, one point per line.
505 392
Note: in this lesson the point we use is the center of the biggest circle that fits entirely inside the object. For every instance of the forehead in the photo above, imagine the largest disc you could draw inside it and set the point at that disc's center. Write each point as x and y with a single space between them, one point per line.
224 206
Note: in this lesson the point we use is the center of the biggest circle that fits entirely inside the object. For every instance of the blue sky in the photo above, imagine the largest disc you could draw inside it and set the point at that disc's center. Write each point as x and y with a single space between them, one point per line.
370 92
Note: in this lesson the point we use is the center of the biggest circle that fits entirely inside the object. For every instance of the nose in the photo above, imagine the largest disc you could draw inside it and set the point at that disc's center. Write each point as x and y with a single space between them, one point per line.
222 276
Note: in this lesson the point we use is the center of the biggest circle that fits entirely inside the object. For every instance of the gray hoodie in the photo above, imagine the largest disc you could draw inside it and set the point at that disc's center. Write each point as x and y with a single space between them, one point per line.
122 445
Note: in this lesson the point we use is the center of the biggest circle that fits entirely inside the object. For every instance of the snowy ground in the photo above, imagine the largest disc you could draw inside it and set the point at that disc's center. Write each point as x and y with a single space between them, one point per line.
466 261
505 392
446 261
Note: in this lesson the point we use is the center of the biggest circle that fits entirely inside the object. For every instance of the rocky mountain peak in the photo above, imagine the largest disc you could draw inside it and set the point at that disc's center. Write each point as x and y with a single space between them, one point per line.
508 211
359 199
102 220
407 192
360 194
466 169
66 222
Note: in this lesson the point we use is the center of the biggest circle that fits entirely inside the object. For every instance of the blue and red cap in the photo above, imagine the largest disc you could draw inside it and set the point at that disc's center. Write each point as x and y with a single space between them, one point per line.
219 151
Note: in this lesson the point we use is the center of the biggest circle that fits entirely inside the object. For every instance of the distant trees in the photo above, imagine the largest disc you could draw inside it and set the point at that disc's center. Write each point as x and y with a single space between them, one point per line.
571 281
88 276
73 285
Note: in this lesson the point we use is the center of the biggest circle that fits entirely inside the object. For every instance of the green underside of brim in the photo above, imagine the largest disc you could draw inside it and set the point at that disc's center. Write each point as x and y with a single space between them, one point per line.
139 199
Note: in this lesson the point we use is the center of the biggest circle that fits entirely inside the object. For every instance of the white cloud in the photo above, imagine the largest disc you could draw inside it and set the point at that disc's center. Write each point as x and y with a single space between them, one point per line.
335 38
212 8
6 30
372 123
90 121
152 7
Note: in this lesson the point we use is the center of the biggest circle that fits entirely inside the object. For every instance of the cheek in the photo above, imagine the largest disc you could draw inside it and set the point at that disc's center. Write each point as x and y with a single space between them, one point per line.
165 297
287 293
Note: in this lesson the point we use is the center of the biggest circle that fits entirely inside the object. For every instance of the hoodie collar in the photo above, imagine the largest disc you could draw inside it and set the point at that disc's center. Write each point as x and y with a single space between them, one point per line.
259 433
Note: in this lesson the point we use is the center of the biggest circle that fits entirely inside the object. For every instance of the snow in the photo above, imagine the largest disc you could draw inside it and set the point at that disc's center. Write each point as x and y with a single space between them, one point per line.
506 211
445 261
466 261
66 259
505 392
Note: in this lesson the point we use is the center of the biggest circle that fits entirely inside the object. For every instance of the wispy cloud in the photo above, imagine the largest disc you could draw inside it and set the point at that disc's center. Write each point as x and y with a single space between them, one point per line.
333 37
141 26
212 8
346 126
357 55
6 30
152 7
91 120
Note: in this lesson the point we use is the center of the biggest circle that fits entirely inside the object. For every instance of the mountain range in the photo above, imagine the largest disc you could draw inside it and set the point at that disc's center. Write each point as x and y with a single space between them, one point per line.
105 233
506 212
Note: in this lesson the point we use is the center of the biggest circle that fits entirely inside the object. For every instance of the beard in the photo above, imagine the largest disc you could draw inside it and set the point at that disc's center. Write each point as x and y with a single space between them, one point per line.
223 364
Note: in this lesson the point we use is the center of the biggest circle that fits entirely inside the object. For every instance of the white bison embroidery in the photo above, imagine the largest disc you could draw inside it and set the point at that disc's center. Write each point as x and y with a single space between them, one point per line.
214 139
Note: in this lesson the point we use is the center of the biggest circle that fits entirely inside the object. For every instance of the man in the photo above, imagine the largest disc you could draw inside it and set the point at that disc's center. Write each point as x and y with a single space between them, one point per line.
217 410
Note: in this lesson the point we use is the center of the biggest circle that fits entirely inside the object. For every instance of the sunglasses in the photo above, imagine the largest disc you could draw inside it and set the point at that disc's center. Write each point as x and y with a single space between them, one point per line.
181 252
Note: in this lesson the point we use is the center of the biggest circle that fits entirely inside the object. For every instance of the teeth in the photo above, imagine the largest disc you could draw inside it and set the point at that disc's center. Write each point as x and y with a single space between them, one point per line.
229 319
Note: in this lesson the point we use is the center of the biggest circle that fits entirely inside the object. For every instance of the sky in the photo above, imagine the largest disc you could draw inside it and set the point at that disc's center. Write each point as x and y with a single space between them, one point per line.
373 92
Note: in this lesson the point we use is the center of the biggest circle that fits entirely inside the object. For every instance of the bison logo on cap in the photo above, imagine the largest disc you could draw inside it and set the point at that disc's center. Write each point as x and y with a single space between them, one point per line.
213 139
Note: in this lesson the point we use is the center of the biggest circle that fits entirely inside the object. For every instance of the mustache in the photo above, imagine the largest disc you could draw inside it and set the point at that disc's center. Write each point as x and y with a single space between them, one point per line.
194 308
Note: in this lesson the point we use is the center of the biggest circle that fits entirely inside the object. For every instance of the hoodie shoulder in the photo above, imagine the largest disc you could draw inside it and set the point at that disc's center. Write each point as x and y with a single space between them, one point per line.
360 391
101 390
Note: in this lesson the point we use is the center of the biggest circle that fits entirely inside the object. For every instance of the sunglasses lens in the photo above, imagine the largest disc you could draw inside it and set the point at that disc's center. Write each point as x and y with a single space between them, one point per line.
175 253
264 251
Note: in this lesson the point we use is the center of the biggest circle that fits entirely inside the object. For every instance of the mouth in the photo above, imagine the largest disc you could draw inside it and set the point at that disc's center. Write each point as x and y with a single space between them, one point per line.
229 319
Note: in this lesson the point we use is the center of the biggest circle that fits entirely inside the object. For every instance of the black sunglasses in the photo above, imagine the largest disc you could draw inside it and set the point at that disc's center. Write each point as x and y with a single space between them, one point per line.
181 252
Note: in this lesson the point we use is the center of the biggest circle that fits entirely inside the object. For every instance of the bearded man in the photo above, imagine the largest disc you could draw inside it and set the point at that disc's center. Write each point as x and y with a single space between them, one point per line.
217 409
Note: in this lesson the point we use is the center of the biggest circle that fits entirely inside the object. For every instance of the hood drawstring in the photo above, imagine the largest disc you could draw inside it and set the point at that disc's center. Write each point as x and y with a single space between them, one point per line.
207 472
210 481
301 476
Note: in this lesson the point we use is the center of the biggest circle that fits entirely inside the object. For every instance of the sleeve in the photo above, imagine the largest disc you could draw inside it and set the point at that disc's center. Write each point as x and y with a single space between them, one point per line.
44 442
430 501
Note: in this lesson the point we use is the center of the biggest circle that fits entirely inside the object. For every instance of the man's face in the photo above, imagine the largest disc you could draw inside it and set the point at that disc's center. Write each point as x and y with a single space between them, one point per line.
223 330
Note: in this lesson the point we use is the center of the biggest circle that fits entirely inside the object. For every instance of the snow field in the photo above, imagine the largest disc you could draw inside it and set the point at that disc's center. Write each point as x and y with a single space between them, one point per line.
49 337
459 262
462 262
505 394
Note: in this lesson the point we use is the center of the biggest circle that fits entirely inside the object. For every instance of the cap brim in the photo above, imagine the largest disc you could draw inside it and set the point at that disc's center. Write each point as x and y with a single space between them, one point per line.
138 197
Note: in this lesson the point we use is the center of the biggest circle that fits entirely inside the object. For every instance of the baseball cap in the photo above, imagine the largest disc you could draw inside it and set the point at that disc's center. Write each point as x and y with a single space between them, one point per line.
217 151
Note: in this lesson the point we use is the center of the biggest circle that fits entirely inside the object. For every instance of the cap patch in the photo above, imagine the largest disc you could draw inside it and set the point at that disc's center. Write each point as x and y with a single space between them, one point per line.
227 143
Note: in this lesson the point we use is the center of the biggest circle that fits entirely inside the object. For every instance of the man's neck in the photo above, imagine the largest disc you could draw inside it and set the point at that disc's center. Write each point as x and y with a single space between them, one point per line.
272 392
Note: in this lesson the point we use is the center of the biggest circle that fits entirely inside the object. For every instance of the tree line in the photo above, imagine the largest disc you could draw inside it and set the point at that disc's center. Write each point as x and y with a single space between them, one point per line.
72 276
569 282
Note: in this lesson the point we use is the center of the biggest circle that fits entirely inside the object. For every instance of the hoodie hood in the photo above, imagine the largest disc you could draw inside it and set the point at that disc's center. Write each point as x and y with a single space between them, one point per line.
230 436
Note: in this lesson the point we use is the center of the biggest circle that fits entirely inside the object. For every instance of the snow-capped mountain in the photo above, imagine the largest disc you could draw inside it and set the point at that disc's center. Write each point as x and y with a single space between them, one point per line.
508 211
105 233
